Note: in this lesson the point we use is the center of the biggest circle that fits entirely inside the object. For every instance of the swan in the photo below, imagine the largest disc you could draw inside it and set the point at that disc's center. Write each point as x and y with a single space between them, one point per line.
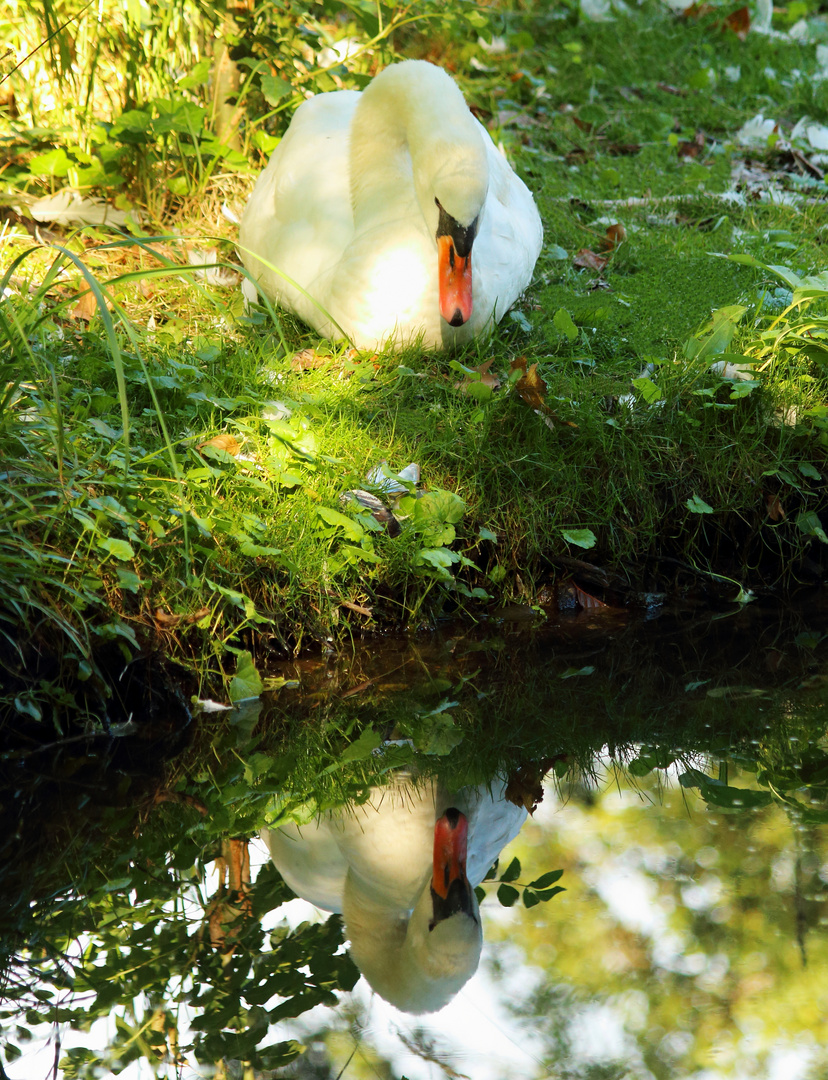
402 869
392 215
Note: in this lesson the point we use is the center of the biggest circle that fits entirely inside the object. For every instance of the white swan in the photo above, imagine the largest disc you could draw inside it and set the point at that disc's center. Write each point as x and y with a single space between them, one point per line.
402 870
394 212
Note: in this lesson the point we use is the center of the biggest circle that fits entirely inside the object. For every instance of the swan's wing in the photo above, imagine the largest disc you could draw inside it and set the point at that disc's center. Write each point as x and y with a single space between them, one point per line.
493 823
309 859
299 216
509 241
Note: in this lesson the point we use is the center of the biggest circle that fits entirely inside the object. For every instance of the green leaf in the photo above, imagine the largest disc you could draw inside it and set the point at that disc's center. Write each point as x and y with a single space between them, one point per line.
507 895
53 163
487 534
582 538
479 391
129 580
698 506
352 529
547 894
440 558
545 880
363 747
274 88
512 871
530 899
808 470
648 389
120 549
564 324
246 683
809 523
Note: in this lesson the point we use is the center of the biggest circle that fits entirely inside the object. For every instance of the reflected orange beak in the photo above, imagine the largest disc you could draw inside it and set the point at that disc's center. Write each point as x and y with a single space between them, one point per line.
455 281
450 846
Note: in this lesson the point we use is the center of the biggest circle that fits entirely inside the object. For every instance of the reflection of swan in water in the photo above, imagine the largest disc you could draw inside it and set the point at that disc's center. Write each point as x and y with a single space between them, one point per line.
402 870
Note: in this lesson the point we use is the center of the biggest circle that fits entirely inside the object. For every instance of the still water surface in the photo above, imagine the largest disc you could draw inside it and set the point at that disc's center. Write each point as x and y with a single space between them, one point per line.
686 807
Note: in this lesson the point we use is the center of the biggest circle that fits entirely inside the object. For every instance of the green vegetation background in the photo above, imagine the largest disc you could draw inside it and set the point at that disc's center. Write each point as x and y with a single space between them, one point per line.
173 467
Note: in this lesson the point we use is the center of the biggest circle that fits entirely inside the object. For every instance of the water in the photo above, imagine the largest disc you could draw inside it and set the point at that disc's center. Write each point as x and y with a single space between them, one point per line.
685 803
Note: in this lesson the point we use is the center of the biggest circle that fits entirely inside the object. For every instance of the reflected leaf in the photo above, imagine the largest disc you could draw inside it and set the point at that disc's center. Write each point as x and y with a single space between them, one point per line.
508 895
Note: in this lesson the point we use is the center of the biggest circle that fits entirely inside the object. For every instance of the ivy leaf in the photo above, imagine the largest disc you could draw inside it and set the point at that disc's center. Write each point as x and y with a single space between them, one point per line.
363 747
698 506
246 683
120 549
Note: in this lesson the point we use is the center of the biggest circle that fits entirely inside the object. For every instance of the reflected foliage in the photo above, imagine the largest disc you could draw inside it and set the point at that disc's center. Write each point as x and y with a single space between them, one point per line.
127 894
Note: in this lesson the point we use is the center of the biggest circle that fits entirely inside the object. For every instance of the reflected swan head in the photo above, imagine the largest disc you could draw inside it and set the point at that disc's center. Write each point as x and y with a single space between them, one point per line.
419 963
402 869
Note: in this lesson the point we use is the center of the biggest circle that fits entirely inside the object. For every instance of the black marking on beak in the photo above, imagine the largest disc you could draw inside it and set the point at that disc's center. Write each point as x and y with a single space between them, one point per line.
463 238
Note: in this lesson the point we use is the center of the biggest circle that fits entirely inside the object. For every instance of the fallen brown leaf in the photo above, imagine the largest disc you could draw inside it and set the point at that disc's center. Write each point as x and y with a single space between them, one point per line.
165 619
587 601
776 511
224 442
697 10
619 149
486 377
588 260
532 389
691 149
308 360
739 22
86 307
616 234
524 786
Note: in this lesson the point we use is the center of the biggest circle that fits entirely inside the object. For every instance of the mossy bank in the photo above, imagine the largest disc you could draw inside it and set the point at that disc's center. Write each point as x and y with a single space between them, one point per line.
185 476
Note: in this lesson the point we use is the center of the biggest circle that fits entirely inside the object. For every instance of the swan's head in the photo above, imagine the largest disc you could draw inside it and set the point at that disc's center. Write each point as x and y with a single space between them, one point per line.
459 198
438 950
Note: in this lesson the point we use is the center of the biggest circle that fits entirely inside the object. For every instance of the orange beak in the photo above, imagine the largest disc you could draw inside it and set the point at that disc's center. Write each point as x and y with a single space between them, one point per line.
450 845
455 280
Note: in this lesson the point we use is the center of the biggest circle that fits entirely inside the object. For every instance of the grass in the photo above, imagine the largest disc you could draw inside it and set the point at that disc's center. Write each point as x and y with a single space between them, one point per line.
175 467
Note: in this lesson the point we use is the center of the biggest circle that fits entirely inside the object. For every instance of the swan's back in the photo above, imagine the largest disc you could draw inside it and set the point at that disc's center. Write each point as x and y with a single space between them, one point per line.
299 216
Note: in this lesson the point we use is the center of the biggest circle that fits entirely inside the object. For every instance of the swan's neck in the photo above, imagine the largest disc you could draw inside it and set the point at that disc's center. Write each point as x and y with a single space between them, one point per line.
411 966
412 125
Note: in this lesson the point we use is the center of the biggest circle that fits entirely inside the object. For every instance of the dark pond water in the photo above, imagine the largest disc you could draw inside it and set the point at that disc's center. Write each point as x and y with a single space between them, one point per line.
685 802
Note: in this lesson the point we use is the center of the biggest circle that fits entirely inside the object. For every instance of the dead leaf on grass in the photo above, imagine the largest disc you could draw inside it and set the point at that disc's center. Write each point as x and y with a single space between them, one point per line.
587 601
697 10
486 377
773 504
691 149
308 360
224 442
739 22
167 621
623 149
532 389
588 260
86 307
524 786
616 234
